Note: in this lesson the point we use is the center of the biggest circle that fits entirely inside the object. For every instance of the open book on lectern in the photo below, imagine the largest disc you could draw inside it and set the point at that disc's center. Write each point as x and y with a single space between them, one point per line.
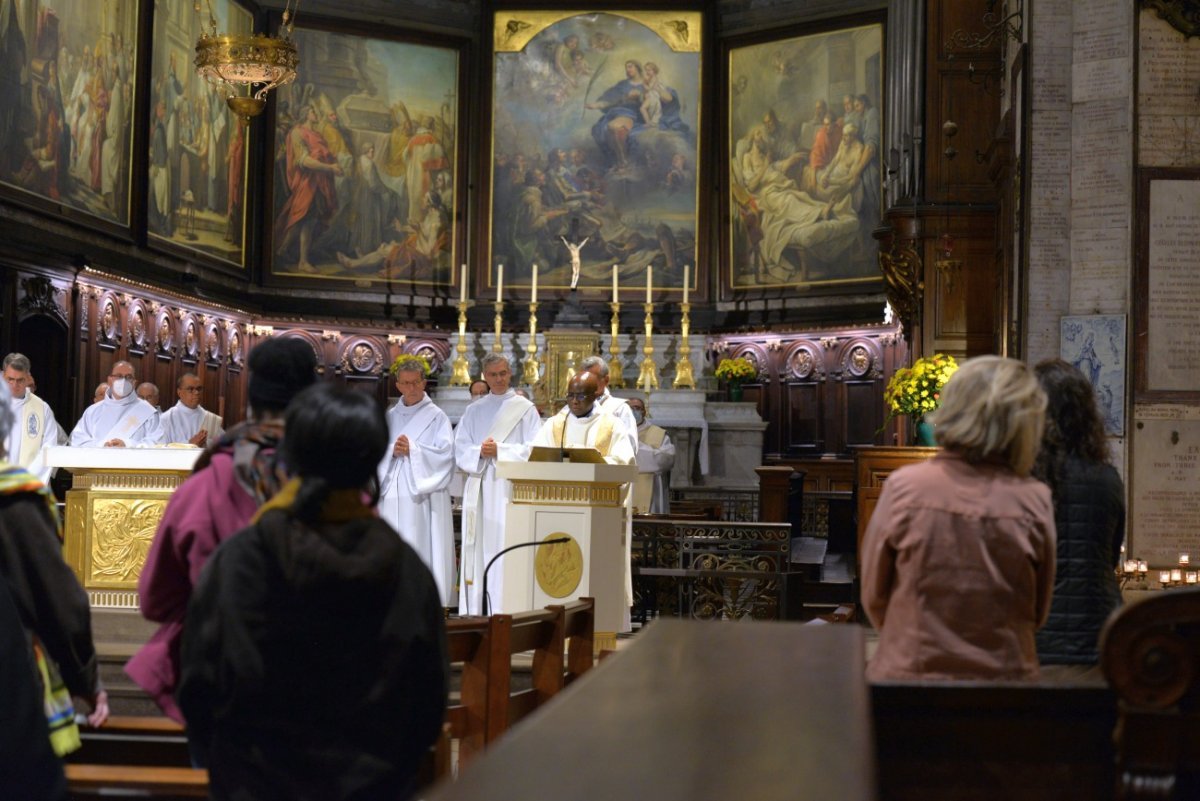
544 453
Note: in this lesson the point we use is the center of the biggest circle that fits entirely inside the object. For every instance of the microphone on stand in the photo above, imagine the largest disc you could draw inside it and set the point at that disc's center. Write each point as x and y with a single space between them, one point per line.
492 561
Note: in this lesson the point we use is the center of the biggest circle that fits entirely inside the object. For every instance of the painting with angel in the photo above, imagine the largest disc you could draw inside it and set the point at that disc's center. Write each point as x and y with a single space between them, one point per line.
595 124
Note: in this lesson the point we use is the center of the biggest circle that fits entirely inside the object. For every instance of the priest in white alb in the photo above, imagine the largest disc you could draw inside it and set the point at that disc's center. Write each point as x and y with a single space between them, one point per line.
122 419
34 429
187 421
655 458
498 426
414 476
608 402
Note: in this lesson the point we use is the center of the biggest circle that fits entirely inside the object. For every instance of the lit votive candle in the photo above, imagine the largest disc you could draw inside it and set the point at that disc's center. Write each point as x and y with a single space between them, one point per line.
1183 560
1130 565
1142 566
1191 577
1176 575
1164 577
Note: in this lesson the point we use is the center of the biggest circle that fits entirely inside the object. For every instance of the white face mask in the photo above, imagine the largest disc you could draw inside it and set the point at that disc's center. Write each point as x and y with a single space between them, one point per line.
122 387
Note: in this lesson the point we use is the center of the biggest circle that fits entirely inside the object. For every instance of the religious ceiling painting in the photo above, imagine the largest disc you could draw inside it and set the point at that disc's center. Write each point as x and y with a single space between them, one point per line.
368 179
595 135
197 150
805 185
67 84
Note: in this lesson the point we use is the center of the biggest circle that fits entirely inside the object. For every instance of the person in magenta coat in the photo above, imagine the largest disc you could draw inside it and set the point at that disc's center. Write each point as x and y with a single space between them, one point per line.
232 479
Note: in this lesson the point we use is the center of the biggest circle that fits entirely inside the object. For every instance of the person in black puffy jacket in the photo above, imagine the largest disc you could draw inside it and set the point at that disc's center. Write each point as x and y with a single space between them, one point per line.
1089 513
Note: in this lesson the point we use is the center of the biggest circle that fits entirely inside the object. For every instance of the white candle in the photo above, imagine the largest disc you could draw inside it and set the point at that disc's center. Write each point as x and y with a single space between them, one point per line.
462 295
533 294
685 283
499 282
649 280
614 300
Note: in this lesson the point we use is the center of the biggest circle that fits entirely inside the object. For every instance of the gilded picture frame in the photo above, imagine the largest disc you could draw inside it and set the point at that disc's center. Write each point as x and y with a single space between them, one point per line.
803 164
198 174
376 114
596 136
68 83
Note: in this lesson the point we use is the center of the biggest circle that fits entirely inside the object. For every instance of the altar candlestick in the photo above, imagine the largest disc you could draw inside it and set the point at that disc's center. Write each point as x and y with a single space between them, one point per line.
499 283
533 294
614 300
462 295
649 281
685 283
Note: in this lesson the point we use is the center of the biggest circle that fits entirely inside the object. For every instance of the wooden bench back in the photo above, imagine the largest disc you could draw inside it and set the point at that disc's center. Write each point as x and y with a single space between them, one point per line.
1150 653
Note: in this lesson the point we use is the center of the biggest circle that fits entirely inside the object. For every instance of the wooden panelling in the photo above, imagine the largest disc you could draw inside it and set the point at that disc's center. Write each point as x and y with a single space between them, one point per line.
820 391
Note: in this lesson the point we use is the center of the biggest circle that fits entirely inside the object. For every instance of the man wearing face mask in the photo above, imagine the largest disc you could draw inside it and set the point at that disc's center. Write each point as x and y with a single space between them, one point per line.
581 424
122 419
655 458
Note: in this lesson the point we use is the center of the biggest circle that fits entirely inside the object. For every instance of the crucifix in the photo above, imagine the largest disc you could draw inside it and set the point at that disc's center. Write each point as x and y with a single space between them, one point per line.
575 263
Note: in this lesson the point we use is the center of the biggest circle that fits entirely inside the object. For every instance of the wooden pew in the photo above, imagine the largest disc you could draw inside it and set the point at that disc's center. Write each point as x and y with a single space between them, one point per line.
683 715
993 741
134 740
142 781
488 704
1150 653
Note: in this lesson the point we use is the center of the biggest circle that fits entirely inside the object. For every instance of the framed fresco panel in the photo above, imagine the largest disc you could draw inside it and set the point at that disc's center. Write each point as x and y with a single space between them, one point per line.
802 145
367 180
67 86
198 151
596 125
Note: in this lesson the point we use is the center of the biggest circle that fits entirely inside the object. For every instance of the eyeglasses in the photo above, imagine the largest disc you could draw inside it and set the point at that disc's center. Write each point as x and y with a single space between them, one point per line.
580 395
190 389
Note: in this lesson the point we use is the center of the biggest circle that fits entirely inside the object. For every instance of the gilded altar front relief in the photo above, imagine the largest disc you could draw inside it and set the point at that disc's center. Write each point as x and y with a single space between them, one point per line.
122 531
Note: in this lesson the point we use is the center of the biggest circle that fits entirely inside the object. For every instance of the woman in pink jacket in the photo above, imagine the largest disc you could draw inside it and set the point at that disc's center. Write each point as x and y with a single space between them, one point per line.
232 479
958 559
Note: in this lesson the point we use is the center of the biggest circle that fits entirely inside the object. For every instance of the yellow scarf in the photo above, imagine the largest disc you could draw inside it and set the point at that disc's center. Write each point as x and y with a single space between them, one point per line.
340 506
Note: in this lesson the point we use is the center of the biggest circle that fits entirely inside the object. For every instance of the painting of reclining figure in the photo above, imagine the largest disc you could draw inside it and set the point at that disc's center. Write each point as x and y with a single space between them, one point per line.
804 163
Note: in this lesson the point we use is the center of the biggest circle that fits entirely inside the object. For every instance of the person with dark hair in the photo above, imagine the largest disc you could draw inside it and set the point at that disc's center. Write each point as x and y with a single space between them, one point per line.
231 479
479 388
54 631
1089 514
314 660
958 557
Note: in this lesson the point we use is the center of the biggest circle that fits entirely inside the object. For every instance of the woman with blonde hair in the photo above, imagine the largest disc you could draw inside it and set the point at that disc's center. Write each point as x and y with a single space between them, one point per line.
958 559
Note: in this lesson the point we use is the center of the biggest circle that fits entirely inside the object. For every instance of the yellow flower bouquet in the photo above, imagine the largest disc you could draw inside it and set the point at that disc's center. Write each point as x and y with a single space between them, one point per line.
917 390
735 371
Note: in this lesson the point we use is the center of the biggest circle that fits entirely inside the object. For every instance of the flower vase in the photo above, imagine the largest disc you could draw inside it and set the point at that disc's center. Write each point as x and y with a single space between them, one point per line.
924 433
735 391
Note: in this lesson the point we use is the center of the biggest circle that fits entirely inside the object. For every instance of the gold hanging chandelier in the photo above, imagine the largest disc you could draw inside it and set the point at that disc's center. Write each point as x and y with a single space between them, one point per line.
247 66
